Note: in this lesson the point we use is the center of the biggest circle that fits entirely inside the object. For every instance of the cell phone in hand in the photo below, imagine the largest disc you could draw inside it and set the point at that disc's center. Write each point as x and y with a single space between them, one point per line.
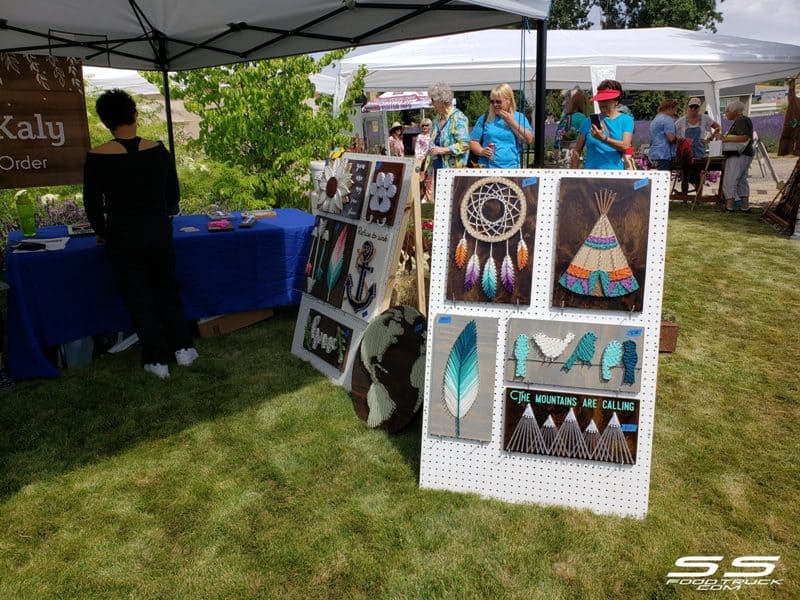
595 120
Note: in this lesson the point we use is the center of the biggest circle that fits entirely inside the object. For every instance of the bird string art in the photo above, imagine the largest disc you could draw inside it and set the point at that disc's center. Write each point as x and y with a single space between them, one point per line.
493 210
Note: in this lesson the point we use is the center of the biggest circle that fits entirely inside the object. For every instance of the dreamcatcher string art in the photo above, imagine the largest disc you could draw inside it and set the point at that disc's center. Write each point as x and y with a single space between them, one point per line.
492 210
600 268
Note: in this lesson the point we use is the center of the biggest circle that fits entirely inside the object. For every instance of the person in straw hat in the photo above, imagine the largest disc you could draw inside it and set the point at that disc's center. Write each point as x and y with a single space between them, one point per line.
394 143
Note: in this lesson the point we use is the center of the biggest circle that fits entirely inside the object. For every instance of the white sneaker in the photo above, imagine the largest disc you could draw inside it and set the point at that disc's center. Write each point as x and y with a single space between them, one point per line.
186 356
157 369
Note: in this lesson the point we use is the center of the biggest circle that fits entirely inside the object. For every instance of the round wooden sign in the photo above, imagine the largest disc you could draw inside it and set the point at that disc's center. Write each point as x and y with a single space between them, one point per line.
389 370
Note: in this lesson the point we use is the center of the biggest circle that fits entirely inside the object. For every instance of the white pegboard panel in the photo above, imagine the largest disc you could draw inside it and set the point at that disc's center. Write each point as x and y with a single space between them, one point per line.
485 468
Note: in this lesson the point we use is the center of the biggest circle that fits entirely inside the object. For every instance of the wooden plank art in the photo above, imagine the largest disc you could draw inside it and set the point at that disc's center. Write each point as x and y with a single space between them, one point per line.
492 228
327 339
601 243
389 370
360 171
365 281
462 377
385 192
573 426
329 259
576 355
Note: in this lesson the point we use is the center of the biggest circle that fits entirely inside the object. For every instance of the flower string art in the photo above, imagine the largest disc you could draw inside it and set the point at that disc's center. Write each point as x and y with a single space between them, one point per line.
493 210
334 194
381 193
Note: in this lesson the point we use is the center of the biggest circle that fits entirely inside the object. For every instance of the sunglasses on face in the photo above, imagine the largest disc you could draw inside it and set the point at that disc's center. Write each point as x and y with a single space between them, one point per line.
495 101
693 106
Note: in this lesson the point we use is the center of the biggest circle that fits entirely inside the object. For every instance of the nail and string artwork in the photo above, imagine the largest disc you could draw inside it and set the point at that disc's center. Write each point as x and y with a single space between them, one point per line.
329 259
575 426
577 355
461 388
492 230
601 243
385 193
327 339
388 386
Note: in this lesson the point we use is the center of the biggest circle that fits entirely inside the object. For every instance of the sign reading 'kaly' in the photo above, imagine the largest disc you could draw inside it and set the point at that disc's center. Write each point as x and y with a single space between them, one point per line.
44 135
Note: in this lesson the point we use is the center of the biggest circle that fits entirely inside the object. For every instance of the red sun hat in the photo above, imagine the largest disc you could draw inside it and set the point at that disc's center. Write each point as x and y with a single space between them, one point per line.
606 95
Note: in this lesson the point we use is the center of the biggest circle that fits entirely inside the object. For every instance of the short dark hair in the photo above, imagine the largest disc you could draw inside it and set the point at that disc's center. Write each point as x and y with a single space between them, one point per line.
115 108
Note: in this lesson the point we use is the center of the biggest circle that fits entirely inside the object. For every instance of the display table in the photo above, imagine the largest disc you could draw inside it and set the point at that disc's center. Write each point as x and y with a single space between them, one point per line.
60 296
691 173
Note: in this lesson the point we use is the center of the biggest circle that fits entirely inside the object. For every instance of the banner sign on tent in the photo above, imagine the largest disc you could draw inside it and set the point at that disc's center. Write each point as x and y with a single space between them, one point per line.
44 135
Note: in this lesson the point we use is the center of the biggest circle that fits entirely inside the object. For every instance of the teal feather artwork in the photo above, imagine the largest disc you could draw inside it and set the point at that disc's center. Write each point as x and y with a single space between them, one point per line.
583 352
521 350
612 355
489 277
461 375
336 261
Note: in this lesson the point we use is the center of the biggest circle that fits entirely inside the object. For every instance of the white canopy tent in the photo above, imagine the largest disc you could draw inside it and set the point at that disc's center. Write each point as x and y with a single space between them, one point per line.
658 58
170 35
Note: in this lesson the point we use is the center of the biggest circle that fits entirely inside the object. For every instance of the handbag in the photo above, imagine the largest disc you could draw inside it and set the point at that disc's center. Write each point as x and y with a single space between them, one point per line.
473 160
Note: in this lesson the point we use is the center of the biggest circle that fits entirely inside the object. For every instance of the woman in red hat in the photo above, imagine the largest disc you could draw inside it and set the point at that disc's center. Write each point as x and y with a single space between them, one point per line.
607 137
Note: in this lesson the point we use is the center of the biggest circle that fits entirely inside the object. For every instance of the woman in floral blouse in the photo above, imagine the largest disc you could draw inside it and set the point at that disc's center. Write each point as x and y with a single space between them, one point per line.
450 135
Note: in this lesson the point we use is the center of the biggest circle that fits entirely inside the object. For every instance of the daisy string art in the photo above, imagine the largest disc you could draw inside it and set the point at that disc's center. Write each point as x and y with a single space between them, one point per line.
335 186
493 210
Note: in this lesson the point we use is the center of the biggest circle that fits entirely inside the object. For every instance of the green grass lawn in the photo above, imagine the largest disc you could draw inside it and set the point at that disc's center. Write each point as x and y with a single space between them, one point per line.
249 475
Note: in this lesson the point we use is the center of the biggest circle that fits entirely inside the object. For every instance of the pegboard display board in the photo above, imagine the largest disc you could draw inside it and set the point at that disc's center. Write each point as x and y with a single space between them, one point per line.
614 290
361 204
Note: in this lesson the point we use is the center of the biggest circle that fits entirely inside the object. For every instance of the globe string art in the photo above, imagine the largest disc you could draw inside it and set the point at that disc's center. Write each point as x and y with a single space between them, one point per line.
600 268
492 211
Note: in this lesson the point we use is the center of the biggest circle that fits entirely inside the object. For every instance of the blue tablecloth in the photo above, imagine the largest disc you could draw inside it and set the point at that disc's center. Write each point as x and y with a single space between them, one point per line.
64 295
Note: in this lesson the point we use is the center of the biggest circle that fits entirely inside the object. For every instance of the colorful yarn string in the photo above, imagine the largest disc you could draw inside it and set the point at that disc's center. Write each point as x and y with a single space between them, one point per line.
629 360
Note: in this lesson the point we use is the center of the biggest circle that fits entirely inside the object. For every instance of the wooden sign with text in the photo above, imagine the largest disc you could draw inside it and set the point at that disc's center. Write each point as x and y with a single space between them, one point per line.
44 135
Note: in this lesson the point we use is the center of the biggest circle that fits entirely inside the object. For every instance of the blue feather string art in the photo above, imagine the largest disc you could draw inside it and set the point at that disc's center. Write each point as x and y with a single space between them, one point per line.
461 375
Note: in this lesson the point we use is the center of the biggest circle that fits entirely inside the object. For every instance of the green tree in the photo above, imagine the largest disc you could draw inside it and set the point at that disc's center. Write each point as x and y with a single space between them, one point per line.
570 14
259 119
686 14
646 104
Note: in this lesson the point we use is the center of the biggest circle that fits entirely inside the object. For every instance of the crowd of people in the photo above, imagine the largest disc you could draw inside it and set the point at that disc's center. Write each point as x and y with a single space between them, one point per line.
601 141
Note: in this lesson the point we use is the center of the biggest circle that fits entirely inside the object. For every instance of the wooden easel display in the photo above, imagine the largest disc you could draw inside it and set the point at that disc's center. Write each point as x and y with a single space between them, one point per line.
782 211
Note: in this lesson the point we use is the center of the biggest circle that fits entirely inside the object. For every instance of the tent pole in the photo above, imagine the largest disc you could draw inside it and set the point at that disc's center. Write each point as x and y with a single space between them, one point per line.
168 111
541 89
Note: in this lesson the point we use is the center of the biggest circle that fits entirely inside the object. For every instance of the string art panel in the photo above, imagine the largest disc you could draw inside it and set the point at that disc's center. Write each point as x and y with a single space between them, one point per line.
492 231
601 244
576 364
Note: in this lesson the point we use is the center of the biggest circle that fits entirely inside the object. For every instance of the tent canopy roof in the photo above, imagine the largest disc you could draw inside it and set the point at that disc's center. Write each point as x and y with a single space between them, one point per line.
656 58
188 34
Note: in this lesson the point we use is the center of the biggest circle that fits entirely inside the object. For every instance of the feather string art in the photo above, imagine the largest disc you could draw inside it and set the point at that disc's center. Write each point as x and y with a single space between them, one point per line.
612 355
522 253
473 270
583 352
552 347
507 272
461 252
461 375
336 261
521 350
489 278
629 359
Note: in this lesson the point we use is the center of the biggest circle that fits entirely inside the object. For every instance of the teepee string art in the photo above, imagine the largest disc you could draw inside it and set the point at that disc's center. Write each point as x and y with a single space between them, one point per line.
493 210
600 268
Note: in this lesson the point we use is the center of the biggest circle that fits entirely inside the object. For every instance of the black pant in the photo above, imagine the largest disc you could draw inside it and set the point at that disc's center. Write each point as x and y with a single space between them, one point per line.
144 260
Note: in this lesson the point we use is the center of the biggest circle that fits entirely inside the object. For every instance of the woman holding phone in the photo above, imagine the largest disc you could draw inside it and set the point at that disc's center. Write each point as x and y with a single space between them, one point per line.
606 136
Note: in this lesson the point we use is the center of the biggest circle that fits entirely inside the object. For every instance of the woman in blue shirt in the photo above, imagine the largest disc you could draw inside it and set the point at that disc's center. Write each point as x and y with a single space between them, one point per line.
499 134
662 135
605 144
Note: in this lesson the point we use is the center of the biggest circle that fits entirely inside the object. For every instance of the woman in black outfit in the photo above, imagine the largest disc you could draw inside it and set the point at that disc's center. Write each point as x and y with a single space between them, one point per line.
130 191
